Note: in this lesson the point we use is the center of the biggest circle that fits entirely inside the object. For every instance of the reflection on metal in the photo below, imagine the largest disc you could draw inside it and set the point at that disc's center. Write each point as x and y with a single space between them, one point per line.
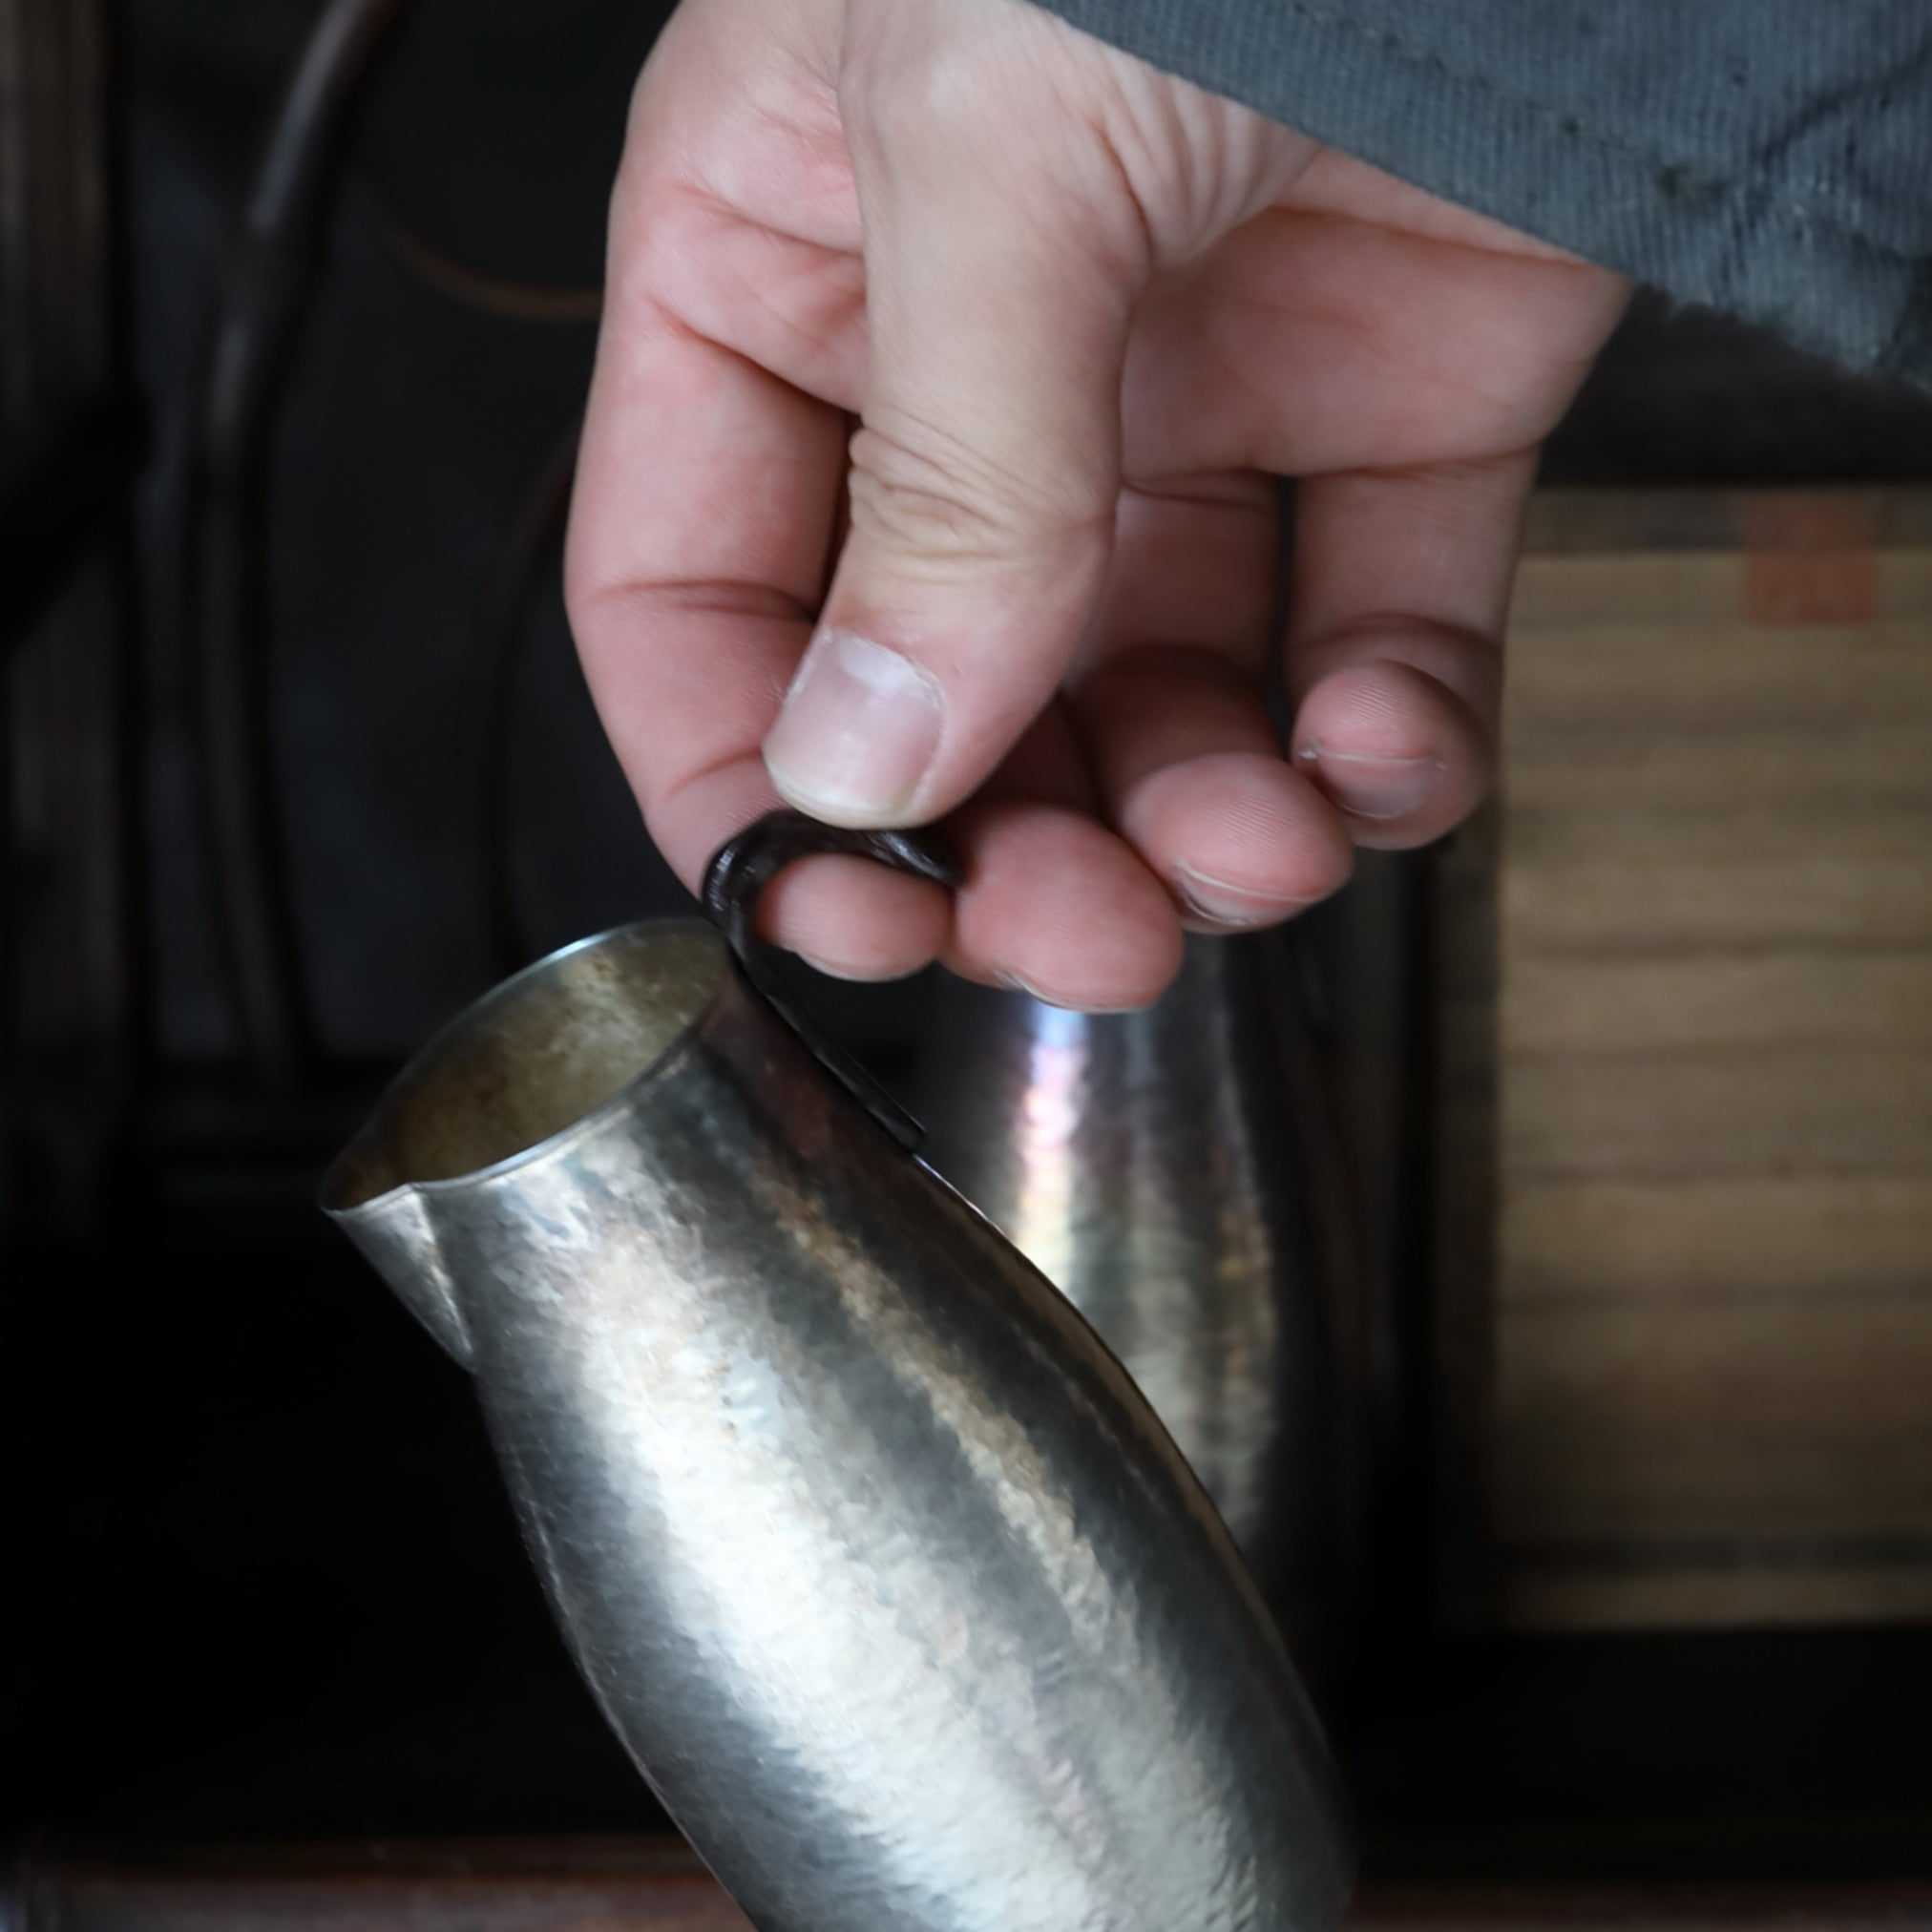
887 1578
1163 1170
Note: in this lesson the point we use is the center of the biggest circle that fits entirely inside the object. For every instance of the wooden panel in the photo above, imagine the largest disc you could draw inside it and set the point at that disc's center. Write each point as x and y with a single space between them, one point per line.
1708 1388
1741 902
1687 1418
1764 1238
1813 1589
1576 1003
1692 1113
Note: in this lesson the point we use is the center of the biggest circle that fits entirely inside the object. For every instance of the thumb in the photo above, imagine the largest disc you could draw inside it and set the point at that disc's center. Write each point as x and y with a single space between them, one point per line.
985 473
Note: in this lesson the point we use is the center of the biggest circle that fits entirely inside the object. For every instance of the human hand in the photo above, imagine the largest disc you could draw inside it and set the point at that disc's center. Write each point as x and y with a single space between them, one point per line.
1083 313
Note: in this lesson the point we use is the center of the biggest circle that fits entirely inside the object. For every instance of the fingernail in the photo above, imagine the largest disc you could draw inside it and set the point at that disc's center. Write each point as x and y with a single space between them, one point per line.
1225 904
832 969
859 728
1374 788
1013 983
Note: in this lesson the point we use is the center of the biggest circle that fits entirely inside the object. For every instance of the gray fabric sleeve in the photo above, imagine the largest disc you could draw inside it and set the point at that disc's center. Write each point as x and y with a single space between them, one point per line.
1769 158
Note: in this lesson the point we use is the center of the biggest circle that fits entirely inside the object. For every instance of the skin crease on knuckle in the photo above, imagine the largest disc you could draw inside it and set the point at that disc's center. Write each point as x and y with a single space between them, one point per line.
748 111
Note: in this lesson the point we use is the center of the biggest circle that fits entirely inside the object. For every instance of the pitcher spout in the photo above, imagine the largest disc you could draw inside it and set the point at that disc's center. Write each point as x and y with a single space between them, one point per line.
550 1049
394 1229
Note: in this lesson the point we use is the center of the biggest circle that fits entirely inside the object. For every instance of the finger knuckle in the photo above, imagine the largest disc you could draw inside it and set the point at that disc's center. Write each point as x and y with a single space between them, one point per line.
922 492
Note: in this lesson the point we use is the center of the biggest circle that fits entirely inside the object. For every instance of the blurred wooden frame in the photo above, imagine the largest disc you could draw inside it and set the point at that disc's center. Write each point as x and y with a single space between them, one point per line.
604 1884
1683 984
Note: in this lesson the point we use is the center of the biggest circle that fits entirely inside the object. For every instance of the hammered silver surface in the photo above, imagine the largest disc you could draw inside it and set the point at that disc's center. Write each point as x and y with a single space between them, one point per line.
876 1561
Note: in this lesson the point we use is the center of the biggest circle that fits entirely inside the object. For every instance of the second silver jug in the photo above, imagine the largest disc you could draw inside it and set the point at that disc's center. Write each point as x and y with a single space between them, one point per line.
1175 1173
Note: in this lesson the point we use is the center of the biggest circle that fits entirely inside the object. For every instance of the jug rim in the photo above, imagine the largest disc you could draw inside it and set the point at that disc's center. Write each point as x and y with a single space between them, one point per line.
336 1180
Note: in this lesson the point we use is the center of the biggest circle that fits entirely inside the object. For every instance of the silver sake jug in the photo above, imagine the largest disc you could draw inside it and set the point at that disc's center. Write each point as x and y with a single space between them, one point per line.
872 1556
1175 1172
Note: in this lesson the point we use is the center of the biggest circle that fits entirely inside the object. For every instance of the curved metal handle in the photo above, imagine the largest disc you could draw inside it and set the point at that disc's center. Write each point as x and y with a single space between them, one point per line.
740 871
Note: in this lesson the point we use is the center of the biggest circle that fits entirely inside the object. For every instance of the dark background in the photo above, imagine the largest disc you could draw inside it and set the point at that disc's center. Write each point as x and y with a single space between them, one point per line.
262 1577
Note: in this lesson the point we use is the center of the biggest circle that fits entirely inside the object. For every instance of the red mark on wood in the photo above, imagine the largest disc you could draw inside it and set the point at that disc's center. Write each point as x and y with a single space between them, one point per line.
1810 557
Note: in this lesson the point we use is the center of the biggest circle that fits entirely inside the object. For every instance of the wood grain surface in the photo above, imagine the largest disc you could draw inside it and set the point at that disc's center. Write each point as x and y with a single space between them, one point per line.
1704 1142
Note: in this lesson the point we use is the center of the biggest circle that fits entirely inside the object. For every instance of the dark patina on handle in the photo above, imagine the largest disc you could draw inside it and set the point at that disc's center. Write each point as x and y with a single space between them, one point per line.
740 871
